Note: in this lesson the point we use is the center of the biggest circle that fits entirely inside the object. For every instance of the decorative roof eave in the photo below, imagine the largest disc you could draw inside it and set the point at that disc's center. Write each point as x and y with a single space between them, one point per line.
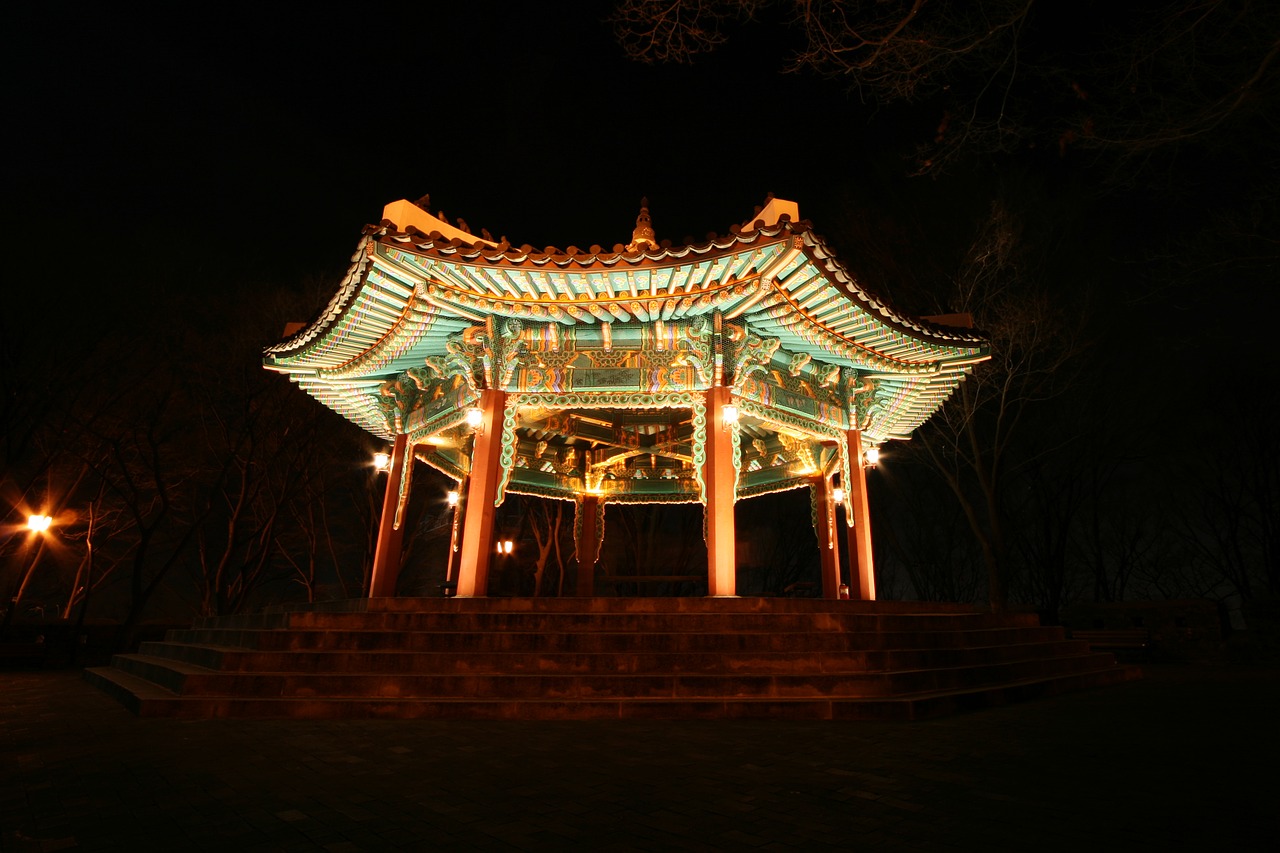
283 352
406 292
480 254
700 275
735 279
357 401
823 256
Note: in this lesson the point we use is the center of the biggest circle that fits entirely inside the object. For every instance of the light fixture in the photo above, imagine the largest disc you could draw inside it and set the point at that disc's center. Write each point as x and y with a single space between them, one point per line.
475 419
872 456
452 498
39 523
837 495
728 417
381 460
505 546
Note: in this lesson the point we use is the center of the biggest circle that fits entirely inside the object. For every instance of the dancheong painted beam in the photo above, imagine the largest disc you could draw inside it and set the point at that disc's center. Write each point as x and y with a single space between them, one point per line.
747 364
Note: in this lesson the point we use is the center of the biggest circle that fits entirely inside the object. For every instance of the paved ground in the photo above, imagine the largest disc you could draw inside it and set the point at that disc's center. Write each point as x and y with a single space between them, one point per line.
1186 758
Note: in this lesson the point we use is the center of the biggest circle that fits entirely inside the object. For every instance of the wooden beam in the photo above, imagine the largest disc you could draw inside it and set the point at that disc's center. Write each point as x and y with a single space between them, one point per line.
387 553
587 544
482 491
862 572
828 540
718 474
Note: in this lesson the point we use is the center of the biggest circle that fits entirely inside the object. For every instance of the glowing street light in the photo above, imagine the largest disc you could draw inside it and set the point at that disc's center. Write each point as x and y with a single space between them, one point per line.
505 546
36 524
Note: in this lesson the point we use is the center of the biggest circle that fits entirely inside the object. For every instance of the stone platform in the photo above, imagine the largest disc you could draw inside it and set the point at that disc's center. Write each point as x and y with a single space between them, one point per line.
658 658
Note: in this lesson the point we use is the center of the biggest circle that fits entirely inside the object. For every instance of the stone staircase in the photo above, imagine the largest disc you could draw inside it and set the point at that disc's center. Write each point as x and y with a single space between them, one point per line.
587 658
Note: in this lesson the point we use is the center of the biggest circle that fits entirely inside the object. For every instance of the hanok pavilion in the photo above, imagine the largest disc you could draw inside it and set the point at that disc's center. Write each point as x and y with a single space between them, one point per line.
706 373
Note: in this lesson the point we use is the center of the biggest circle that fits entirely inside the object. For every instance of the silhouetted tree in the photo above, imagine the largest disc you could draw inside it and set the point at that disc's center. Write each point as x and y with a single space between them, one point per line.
1007 75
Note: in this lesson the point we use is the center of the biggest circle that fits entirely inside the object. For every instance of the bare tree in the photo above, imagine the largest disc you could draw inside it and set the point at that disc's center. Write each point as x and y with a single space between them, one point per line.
264 438
549 523
1035 338
780 551
1232 523
139 454
654 539
1006 75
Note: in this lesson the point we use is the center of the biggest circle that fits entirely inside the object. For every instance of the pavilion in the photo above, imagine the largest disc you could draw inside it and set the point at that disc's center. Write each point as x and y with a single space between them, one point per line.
706 373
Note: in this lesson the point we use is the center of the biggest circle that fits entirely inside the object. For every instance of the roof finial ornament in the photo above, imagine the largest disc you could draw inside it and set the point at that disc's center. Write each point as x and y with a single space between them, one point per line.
643 237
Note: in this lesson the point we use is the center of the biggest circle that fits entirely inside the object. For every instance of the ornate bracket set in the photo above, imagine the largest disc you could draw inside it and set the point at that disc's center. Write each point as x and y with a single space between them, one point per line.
619 410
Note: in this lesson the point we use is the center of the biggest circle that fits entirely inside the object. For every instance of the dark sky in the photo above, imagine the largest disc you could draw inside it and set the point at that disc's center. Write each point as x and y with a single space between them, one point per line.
233 145
211 149
207 148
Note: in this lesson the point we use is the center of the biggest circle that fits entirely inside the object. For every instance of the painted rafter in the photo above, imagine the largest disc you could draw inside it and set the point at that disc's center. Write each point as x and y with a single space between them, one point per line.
409 293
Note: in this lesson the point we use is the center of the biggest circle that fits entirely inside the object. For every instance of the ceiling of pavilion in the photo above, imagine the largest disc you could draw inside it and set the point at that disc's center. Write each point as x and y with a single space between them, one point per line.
606 355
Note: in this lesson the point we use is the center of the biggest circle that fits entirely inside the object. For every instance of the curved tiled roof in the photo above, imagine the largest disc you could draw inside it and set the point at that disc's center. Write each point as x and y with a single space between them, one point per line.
410 288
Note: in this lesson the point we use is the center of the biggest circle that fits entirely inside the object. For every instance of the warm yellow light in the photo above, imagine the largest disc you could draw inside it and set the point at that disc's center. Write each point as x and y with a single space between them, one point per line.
39 523
453 498
837 495
872 456
381 460
475 418
728 417
505 546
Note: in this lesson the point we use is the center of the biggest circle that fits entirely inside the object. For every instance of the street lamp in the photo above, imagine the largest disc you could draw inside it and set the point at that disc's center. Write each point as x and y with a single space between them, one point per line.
38 525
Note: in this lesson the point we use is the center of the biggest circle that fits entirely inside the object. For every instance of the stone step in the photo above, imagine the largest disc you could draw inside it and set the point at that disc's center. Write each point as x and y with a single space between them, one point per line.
575 658
624 605
193 680
696 622
231 659
148 700
279 639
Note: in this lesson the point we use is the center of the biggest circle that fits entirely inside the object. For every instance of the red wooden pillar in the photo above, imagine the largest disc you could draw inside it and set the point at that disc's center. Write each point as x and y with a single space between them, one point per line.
387 553
482 490
862 573
455 541
587 545
828 540
718 475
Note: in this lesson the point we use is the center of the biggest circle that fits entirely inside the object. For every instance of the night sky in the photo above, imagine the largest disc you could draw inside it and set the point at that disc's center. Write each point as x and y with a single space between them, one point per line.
205 146
169 171
214 150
